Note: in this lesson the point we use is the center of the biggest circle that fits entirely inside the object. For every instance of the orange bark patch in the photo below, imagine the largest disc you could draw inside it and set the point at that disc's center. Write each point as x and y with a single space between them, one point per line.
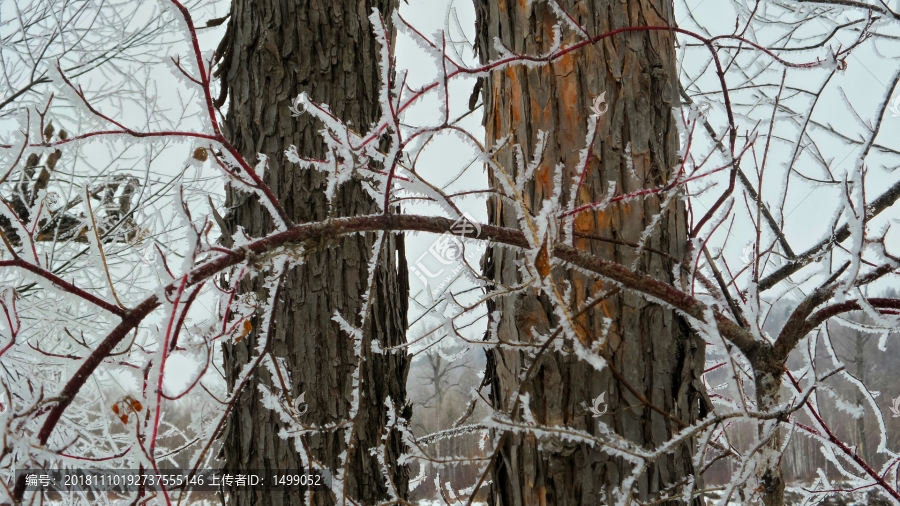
584 224
604 306
578 282
542 182
567 87
515 92
496 115
584 221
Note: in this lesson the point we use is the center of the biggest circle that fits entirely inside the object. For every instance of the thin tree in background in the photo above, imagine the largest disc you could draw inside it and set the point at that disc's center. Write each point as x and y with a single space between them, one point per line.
272 52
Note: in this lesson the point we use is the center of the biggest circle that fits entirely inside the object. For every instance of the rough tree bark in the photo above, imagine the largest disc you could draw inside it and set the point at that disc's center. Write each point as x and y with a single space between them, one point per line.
650 346
272 51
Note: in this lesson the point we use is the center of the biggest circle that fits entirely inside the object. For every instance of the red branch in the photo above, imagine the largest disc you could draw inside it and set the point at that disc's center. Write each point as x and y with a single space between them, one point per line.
850 454
64 285
851 305
312 233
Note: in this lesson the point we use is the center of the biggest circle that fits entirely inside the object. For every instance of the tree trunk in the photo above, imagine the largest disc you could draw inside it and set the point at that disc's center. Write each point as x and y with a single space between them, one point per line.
649 345
273 51
767 378
862 445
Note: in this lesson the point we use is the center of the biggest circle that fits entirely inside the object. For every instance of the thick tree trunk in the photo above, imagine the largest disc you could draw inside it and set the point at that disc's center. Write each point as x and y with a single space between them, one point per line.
649 345
273 51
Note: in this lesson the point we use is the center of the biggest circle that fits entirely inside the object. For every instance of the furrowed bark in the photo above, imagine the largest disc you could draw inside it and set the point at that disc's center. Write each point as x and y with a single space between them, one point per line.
651 345
274 51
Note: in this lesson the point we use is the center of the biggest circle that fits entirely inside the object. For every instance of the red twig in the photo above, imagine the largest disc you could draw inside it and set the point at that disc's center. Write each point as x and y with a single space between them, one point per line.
12 320
95 459
641 193
170 331
64 285
829 435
